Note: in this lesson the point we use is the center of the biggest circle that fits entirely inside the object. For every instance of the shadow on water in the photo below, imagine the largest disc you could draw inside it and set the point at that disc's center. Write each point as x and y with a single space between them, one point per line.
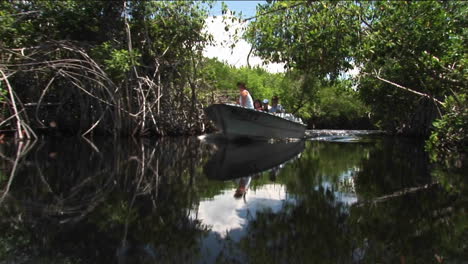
174 201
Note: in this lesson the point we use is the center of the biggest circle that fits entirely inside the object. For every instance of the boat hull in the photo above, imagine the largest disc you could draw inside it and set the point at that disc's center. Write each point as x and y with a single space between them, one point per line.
235 121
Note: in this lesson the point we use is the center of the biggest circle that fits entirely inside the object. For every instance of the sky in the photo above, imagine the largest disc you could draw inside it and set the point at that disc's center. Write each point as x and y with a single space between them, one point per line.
221 49
247 8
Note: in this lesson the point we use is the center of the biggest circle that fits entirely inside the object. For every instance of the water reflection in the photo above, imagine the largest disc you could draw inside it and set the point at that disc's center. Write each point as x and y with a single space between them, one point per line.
228 218
102 202
172 200
225 215
235 160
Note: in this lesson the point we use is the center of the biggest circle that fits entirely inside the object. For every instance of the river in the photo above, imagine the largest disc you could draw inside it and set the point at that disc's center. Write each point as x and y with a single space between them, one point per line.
335 198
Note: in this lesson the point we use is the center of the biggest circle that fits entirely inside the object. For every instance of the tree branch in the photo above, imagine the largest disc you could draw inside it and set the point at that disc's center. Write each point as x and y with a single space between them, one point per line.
404 88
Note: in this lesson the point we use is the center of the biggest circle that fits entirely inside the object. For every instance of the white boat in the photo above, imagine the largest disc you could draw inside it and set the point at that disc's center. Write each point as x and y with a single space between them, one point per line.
236 121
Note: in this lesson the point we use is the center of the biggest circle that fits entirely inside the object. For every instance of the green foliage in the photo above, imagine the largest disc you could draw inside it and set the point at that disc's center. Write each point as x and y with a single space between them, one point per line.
34 22
158 28
316 37
339 106
416 44
6 21
133 42
449 141
117 62
300 93
260 83
173 28
316 40
325 103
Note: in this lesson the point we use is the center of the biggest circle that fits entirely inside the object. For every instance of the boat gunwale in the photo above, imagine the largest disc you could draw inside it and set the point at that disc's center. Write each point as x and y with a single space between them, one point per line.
258 111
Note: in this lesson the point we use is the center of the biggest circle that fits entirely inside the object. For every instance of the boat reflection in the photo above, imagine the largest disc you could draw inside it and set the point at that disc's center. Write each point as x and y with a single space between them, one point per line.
235 160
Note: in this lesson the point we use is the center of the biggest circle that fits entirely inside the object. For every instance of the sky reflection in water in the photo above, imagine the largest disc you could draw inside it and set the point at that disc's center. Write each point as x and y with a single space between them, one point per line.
224 214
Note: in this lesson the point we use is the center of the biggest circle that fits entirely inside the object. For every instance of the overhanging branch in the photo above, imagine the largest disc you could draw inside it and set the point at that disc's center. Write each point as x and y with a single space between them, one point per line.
404 88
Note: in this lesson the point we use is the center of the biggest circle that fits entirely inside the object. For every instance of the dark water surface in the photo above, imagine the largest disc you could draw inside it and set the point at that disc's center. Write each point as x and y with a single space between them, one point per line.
333 199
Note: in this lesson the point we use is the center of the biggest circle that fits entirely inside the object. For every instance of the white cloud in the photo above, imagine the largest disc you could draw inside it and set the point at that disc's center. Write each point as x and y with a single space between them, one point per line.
223 40
224 213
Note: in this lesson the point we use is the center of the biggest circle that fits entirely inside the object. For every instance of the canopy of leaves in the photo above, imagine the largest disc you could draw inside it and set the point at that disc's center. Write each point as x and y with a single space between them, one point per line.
411 54
418 45
316 37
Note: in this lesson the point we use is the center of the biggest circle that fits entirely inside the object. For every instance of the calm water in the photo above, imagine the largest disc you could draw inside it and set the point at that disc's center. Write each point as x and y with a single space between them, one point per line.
333 199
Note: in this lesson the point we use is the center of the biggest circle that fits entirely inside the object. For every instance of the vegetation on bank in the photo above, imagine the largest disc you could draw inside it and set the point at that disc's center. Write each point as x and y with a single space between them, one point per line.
118 68
449 142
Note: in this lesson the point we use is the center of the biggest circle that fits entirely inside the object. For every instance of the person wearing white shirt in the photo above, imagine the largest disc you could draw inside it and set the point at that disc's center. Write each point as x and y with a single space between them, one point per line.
245 99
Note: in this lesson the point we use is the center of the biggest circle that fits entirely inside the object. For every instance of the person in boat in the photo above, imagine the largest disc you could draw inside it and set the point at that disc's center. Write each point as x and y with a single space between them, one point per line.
243 184
275 106
258 105
245 99
266 107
